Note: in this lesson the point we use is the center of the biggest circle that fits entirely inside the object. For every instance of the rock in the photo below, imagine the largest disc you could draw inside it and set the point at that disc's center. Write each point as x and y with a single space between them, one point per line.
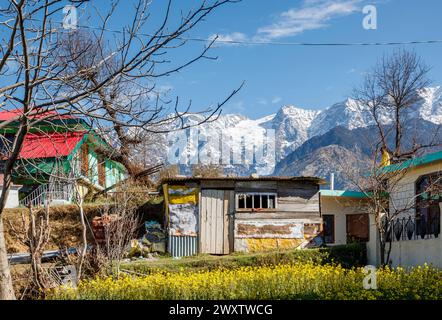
159 247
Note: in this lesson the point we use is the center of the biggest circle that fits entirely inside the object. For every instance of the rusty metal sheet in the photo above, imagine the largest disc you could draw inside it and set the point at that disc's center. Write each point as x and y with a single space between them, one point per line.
269 229
183 219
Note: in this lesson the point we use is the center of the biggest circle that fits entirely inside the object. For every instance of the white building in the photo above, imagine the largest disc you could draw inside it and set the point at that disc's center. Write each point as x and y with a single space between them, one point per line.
416 237
12 201
345 217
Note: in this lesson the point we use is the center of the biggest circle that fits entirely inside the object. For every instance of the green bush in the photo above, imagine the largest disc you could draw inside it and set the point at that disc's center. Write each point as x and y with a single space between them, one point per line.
347 255
287 281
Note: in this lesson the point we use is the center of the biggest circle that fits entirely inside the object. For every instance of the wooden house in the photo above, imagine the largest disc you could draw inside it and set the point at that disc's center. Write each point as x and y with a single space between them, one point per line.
229 214
59 152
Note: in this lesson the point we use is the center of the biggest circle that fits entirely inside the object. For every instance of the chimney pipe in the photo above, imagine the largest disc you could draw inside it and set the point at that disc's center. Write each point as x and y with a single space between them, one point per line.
332 181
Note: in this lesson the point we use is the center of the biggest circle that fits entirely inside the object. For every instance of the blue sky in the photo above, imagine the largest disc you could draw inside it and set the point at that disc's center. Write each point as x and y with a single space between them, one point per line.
307 77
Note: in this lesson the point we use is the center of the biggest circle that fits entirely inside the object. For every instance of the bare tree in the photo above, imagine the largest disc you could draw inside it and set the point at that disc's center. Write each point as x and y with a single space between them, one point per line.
168 172
121 227
390 91
79 201
34 232
40 79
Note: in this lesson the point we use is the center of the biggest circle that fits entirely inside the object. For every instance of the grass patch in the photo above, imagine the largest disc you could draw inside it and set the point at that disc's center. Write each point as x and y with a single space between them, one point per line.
347 256
65 226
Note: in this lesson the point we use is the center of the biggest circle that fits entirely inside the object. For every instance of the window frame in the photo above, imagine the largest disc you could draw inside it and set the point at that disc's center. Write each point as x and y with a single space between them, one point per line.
418 207
333 228
348 236
253 194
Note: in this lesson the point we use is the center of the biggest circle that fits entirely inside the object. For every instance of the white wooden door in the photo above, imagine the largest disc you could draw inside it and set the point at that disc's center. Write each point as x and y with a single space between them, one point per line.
216 221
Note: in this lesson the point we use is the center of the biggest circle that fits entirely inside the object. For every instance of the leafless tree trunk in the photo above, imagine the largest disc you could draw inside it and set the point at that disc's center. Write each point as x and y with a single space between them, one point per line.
79 197
6 290
121 224
34 232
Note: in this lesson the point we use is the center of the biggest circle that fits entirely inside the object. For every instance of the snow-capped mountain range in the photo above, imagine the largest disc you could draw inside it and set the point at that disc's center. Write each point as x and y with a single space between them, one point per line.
293 126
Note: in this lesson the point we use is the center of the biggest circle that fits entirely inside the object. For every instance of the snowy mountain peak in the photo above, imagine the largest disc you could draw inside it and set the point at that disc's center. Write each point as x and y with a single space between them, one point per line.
294 126
431 109
292 111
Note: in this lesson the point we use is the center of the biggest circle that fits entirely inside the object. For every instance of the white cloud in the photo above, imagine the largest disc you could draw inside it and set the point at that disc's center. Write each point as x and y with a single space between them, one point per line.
312 15
262 101
276 100
238 106
228 39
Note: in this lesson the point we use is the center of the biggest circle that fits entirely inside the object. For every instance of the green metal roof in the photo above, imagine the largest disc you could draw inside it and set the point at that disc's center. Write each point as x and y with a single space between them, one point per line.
343 193
426 159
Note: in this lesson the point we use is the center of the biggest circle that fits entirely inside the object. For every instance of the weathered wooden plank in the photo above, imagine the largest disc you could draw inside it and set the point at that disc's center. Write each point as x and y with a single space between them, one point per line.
297 207
277 215
220 222
284 229
255 185
231 221
214 184
207 221
203 220
212 222
226 222
296 185
298 195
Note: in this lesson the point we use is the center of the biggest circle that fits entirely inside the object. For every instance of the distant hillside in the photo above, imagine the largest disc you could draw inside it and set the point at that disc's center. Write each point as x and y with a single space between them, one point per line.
340 148
309 141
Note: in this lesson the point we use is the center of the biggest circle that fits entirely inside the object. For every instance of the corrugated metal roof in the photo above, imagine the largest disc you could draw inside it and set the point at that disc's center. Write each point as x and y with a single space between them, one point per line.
49 145
426 159
11 114
262 178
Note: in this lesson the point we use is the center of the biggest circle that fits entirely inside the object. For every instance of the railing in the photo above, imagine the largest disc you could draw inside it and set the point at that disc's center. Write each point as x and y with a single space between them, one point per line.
413 228
46 193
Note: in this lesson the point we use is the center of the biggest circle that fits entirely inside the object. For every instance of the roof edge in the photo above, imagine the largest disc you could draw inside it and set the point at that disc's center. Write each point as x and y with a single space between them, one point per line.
317 180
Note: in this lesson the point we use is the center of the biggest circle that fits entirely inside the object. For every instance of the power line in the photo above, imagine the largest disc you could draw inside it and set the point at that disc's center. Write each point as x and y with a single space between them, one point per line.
278 43
272 43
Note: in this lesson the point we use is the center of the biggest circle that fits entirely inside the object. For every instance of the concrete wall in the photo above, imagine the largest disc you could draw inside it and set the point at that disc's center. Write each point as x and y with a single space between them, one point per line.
340 207
417 252
12 201
373 253
404 192
408 252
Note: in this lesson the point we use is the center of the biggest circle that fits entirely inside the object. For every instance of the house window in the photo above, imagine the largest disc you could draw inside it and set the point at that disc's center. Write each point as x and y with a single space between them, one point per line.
329 228
357 227
255 200
428 197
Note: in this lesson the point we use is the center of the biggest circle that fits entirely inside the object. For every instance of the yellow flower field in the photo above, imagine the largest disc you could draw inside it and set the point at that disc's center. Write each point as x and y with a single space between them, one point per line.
292 281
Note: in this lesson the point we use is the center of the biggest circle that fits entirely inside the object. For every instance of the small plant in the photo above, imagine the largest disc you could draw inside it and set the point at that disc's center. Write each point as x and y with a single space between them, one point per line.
286 281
